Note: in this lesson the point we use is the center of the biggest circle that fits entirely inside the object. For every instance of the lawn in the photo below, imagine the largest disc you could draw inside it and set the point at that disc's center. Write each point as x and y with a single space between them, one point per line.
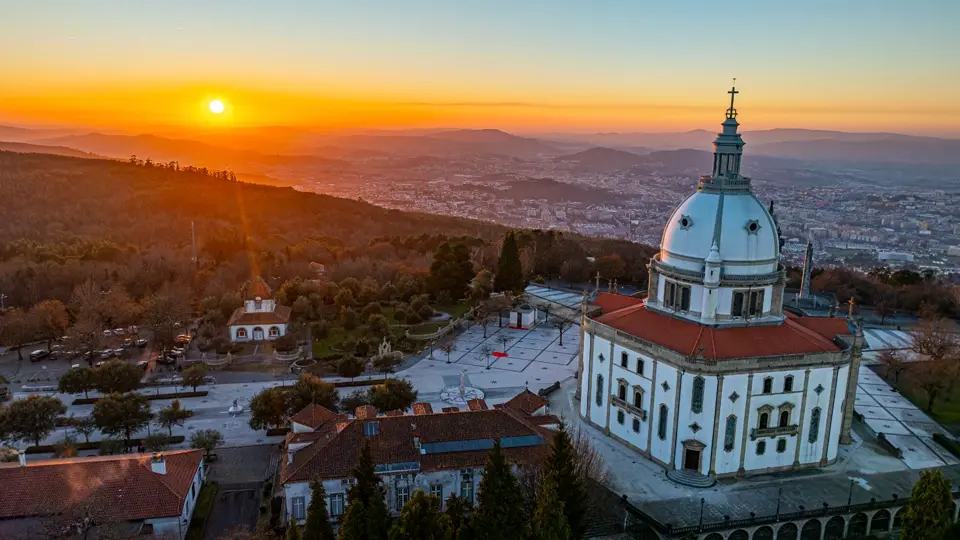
208 493
455 310
946 408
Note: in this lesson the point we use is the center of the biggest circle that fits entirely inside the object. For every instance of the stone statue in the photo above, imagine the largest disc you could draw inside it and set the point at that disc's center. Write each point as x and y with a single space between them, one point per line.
385 348
463 382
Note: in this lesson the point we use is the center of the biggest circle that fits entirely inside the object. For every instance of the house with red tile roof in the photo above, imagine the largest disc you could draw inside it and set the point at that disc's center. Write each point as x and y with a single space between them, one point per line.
139 494
260 318
437 452
709 376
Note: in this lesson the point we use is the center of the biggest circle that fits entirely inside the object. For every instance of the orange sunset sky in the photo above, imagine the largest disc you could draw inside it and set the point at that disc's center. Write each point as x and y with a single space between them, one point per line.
520 66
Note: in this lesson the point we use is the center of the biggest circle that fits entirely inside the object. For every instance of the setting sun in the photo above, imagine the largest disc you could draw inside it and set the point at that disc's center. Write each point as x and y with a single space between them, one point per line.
216 106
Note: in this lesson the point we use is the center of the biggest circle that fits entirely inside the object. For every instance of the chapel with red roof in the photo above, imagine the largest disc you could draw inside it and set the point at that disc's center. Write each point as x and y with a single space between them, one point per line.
709 376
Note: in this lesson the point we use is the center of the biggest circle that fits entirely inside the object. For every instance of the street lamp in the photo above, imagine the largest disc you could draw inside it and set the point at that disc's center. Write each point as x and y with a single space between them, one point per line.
779 493
850 495
2 297
700 526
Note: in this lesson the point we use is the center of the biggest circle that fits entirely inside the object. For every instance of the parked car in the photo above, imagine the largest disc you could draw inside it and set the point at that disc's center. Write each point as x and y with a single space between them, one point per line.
142 364
141 343
105 354
167 360
37 356
127 343
182 339
133 330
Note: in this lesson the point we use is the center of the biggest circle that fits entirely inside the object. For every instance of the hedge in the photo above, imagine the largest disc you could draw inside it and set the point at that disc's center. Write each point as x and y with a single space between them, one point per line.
150 397
274 432
95 445
351 384
951 445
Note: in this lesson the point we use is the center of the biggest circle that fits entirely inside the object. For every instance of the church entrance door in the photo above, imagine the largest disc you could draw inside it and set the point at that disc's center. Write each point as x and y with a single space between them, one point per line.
691 459
258 334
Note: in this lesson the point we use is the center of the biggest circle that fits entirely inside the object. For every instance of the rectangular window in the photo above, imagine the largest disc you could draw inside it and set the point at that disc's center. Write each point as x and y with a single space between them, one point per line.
684 298
676 296
370 429
669 291
437 491
761 447
746 305
297 509
403 495
781 446
624 360
737 309
756 303
336 504
466 487
638 399
640 366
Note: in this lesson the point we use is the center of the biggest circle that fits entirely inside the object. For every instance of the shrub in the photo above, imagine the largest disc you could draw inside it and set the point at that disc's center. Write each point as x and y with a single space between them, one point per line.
425 312
362 348
400 314
413 318
371 309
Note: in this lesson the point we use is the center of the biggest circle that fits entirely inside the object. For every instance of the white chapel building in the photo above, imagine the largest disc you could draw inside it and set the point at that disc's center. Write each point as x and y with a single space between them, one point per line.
260 318
708 376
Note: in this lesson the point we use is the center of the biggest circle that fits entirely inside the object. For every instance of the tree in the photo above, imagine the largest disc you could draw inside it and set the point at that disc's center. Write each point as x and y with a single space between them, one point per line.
155 442
77 380
483 318
244 533
930 379
500 514
561 468
85 426
310 389
117 376
393 395
50 318
354 524
293 531
350 366
269 408
206 439
509 272
504 339
421 519
194 376
357 398
481 285
65 448
174 415
451 270
16 328
448 346
378 325
457 511
485 351
348 318
30 419
373 308
318 525
892 364
122 414
927 513
561 324
386 363
549 519
370 516
164 313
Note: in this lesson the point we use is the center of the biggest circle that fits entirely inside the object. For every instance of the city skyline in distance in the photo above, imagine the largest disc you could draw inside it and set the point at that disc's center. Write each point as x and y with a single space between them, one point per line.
862 67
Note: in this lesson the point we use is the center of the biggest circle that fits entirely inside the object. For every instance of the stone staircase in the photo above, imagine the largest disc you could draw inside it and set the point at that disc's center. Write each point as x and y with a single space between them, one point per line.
691 478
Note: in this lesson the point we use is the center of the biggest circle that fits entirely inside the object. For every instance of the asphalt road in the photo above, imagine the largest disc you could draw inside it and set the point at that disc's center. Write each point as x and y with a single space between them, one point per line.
236 505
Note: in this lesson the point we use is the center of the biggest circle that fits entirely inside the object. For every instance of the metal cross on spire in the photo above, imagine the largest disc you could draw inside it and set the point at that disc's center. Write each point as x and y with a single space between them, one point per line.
731 112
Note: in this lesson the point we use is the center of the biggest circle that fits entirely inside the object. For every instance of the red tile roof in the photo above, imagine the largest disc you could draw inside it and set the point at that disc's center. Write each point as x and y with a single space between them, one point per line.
794 336
313 416
422 408
450 409
397 437
365 411
258 289
477 404
279 315
526 402
119 488
608 302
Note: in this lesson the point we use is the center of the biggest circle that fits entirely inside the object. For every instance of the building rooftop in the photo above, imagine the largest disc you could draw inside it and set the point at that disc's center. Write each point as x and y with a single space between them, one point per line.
314 416
258 289
279 315
796 335
526 402
111 488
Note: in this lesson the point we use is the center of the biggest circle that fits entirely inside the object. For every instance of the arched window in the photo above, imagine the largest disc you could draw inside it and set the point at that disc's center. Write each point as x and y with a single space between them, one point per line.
764 420
599 390
274 331
662 425
814 425
640 366
258 303
620 417
622 391
696 404
784 418
768 385
788 383
624 359
241 333
730 434
638 398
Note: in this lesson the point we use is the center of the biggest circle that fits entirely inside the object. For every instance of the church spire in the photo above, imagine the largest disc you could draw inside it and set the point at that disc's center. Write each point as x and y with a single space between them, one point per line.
728 148
731 112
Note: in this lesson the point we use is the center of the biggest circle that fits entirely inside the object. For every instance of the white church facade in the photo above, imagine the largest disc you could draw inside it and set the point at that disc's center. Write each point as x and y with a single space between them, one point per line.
260 318
708 376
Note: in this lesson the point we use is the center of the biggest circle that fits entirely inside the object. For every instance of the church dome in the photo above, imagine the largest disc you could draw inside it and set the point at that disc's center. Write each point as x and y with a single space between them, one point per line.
741 227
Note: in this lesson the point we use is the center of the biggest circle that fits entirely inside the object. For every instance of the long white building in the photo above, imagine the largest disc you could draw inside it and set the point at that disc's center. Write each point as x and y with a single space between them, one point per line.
708 376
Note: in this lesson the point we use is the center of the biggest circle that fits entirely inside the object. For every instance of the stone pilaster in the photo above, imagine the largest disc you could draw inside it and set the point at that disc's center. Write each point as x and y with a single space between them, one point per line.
803 417
716 426
609 383
676 420
589 395
851 392
829 427
583 324
652 411
747 419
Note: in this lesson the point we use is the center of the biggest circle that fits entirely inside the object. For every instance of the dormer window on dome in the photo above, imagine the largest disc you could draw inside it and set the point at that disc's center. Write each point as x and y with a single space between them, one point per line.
753 226
685 222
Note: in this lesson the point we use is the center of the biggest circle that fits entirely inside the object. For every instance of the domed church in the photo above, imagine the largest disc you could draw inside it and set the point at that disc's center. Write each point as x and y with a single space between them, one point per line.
708 376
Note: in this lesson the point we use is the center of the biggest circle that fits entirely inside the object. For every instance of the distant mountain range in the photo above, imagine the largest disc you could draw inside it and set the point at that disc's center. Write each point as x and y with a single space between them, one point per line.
256 150
27 148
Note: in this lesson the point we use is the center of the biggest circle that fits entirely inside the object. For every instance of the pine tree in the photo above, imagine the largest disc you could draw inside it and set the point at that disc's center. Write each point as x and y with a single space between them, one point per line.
926 515
378 518
354 524
457 510
500 514
421 519
318 525
366 478
293 532
368 493
509 272
561 465
549 521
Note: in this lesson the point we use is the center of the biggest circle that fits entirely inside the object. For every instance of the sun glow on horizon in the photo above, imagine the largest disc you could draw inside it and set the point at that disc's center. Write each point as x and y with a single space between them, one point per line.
216 106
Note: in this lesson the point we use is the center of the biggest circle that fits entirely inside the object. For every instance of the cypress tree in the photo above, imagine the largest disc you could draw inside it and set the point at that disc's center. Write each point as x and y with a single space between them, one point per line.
293 531
509 272
562 466
421 519
500 514
378 519
318 525
549 522
354 524
457 510
926 515
367 481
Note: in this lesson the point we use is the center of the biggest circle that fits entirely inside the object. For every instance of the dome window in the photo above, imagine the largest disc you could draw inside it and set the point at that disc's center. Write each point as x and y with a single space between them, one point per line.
685 222
753 226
